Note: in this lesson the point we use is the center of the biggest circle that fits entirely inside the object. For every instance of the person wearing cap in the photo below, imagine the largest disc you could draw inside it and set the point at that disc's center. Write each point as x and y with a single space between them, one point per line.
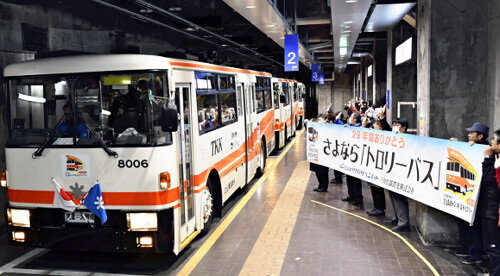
478 134
473 235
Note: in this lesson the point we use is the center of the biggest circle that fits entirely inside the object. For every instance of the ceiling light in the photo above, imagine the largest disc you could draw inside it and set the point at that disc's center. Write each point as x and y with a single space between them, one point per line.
351 1
348 22
270 25
346 31
251 7
145 10
175 9
282 37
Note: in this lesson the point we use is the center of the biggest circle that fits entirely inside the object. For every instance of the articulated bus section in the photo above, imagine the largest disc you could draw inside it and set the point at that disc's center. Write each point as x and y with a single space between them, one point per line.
286 108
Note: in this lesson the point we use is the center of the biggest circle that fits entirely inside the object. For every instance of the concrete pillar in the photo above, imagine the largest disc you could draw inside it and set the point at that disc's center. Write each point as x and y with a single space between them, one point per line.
424 66
452 90
324 96
494 64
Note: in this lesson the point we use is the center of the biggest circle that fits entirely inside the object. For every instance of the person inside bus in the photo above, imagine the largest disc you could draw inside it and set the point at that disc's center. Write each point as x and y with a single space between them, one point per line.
123 110
67 127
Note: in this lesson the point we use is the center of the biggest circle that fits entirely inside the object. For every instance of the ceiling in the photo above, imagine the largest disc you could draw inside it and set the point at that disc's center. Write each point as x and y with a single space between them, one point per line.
249 33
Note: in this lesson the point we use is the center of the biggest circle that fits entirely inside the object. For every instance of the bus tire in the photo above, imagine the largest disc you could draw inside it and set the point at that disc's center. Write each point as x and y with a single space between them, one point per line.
207 207
262 164
286 135
216 191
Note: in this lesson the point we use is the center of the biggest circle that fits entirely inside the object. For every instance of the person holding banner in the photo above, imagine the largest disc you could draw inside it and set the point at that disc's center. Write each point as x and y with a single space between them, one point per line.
473 235
378 193
355 195
488 208
320 171
331 118
399 202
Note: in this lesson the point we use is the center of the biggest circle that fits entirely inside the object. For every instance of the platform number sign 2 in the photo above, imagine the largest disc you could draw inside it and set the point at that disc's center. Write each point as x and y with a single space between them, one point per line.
291 52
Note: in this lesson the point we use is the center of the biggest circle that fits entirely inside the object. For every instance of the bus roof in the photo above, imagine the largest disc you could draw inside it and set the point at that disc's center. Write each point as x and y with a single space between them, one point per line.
86 64
179 63
114 62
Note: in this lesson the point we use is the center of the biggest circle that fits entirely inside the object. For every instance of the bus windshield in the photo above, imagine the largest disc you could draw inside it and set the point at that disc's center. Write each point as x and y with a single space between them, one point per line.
88 109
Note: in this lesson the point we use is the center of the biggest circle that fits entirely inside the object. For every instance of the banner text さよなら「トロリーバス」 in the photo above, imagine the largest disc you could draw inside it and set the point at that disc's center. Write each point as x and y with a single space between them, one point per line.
436 172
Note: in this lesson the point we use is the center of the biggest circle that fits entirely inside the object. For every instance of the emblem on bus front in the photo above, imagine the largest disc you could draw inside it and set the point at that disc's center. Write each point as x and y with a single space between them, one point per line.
75 165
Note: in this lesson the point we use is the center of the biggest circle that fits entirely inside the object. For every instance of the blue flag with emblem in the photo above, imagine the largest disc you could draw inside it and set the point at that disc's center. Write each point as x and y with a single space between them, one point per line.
95 203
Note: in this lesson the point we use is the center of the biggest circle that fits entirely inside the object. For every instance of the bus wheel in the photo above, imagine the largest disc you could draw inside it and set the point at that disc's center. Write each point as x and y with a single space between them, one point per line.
208 206
262 162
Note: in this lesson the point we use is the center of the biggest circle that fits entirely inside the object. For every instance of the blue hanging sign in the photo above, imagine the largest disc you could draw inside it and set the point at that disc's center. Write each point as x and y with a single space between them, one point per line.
291 52
321 78
387 95
315 72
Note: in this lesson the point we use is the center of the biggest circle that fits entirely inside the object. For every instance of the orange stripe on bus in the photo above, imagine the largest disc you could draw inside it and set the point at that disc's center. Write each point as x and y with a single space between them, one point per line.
218 68
219 166
110 198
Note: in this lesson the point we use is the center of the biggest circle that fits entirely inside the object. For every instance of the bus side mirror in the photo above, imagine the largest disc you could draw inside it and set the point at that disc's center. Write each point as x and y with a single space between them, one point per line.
282 98
169 117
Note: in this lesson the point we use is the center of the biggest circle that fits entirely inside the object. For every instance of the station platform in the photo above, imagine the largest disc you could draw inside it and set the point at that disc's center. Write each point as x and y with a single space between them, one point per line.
281 226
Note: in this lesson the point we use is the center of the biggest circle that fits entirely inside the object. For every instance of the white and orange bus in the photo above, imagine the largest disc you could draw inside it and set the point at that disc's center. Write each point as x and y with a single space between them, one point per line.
168 140
286 110
302 100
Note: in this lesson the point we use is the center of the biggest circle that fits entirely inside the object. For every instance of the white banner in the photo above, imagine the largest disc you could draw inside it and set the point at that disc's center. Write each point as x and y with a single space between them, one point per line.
439 173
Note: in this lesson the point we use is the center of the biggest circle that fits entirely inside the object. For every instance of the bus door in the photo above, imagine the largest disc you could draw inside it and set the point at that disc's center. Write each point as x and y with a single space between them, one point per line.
249 127
186 209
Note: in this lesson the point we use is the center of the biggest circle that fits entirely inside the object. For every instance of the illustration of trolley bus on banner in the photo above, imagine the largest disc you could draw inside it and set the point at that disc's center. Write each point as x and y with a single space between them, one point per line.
461 177
167 140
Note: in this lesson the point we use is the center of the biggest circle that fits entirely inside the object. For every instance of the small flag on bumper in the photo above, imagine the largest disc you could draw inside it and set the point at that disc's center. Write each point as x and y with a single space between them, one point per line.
62 199
95 203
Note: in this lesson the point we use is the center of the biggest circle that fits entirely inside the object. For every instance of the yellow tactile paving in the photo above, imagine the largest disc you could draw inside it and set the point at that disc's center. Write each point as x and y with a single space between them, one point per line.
269 251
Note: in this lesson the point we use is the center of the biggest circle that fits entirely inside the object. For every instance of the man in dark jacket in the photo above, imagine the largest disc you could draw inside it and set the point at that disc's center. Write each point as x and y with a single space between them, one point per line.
488 207
477 134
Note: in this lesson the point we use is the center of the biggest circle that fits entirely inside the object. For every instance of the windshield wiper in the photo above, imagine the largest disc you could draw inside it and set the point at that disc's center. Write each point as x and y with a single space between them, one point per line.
104 146
39 151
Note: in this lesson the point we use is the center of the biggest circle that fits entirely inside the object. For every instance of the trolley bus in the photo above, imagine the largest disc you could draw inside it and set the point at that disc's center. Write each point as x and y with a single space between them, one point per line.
168 141
286 110
461 177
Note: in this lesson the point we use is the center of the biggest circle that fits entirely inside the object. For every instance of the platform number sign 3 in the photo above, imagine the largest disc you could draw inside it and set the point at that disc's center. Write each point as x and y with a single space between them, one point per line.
292 52
315 72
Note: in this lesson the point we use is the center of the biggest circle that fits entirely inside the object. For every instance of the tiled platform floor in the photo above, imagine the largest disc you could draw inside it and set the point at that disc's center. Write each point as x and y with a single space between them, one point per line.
282 230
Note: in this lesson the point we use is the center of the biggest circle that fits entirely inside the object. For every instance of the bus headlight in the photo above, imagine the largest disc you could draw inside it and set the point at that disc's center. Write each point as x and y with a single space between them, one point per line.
18 217
142 222
18 236
165 180
3 179
144 241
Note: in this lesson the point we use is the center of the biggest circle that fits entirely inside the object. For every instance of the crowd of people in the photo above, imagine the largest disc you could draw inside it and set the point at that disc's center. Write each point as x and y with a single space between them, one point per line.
480 240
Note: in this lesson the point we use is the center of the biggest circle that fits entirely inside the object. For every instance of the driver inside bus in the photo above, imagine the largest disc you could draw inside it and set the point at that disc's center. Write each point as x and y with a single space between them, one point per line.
67 127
